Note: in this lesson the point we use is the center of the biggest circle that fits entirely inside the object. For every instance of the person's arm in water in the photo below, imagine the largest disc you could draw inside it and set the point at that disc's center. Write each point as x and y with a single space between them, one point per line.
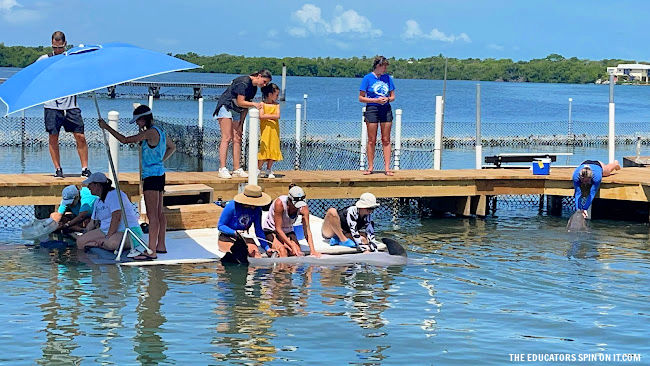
351 218
225 218
304 212
277 220
257 221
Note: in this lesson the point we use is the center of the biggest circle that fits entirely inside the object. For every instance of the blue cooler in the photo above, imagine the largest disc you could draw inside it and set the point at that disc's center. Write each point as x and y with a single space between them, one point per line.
542 166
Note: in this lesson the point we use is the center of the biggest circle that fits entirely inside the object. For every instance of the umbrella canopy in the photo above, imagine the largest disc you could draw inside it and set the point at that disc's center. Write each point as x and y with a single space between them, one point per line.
84 69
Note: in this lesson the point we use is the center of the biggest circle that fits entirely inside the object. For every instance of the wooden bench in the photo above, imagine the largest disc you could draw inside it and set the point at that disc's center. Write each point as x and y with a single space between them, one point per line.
496 161
189 206
187 194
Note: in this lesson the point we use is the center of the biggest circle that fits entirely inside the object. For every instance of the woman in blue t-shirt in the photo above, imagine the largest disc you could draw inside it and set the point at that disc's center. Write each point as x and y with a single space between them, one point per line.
586 181
377 91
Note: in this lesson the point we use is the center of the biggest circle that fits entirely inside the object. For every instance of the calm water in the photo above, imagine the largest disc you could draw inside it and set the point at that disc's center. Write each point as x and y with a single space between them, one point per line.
477 291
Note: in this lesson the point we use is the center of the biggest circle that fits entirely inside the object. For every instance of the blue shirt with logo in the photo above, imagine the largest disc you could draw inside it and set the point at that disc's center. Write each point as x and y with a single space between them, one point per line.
237 217
376 87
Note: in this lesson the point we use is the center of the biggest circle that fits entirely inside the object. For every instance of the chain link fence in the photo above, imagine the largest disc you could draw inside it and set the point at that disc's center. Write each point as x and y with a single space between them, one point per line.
335 145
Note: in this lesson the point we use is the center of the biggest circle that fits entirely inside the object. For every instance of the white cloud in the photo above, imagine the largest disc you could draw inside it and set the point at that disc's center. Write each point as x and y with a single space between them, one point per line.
496 47
311 21
13 12
273 33
413 31
297 32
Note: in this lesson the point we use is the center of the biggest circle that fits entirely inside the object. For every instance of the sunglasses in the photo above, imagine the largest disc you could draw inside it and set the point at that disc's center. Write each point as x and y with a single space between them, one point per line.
57 47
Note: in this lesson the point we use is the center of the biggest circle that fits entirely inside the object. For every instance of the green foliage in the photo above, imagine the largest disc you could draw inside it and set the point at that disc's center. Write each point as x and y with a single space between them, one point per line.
552 69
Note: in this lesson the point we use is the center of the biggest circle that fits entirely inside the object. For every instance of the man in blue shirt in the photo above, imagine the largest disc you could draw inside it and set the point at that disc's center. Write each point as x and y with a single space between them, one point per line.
236 218
78 204
586 181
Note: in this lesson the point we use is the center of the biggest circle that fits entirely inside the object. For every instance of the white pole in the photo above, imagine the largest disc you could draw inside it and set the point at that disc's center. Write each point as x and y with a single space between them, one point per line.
364 140
437 144
283 95
612 109
479 140
113 144
151 102
296 162
304 97
253 132
200 114
398 138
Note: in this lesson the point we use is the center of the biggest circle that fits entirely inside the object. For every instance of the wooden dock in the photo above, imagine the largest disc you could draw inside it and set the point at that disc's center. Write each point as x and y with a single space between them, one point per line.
629 184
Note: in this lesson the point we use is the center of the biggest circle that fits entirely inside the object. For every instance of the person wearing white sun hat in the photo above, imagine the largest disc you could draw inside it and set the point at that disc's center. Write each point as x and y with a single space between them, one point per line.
344 227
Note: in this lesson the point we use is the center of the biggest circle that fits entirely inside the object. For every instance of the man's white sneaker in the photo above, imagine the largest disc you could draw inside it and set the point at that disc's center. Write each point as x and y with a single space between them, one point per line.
239 173
223 173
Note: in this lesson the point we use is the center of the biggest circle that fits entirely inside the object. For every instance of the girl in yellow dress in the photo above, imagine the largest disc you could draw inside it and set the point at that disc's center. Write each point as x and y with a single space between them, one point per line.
269 129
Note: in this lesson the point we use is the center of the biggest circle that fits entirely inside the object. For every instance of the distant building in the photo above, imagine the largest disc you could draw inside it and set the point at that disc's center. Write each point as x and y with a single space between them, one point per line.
631 72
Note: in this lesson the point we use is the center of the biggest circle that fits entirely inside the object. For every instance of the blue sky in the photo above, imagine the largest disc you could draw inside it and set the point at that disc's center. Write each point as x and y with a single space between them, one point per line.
520 30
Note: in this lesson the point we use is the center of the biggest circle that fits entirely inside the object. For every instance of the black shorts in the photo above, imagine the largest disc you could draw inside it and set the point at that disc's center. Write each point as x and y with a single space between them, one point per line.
70 119
270 235
378 113
155 183
593 162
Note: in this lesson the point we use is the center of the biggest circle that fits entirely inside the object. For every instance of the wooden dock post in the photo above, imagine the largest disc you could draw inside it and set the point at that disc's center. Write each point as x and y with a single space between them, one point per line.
364 141
437 143
554 205
283 88
398 138
253 132
113 144
199 137
296 161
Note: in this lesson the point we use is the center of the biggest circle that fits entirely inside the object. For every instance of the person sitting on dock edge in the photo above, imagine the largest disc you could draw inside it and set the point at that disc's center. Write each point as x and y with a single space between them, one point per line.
236 218
344 227
283 213
586 181
75 209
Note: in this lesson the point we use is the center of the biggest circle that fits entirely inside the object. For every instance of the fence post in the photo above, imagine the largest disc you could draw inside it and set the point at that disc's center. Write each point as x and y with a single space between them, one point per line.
437 143
364 141
304 112
570 126
283 89
479 141
151 101
199 140
612 109
296 161
398 138
253 132
244 140
22 128
113 144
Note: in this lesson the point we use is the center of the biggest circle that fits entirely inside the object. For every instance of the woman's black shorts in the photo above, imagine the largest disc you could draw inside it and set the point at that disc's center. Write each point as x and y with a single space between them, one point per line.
378 113
156 183
593 162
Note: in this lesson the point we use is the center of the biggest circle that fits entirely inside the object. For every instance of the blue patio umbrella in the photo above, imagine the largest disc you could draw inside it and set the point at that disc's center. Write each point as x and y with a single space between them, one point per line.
85 69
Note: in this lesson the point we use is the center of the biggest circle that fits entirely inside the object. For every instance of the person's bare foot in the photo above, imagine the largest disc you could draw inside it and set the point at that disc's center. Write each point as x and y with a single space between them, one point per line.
367 172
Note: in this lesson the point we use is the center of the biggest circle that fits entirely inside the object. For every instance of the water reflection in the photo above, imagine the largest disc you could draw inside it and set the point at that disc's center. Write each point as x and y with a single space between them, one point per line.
149 345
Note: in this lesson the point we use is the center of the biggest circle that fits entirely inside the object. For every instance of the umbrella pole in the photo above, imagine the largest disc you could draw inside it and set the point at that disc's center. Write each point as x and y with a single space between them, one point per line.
127 230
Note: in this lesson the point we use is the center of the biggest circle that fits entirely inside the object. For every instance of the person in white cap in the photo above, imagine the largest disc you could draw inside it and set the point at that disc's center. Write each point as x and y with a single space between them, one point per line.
344 227
109 214
156 148
79 204
283 214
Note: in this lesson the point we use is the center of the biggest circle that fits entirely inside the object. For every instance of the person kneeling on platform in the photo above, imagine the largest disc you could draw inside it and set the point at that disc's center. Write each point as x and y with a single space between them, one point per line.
283 214
75 209
343 227
586 181
109 214
237 217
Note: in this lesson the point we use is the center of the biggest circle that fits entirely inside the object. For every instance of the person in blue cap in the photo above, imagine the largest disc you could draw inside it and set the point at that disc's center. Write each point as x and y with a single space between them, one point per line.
75 209
586 181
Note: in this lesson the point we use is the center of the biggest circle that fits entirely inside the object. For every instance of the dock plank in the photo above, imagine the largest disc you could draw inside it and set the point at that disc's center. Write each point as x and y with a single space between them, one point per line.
631 184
